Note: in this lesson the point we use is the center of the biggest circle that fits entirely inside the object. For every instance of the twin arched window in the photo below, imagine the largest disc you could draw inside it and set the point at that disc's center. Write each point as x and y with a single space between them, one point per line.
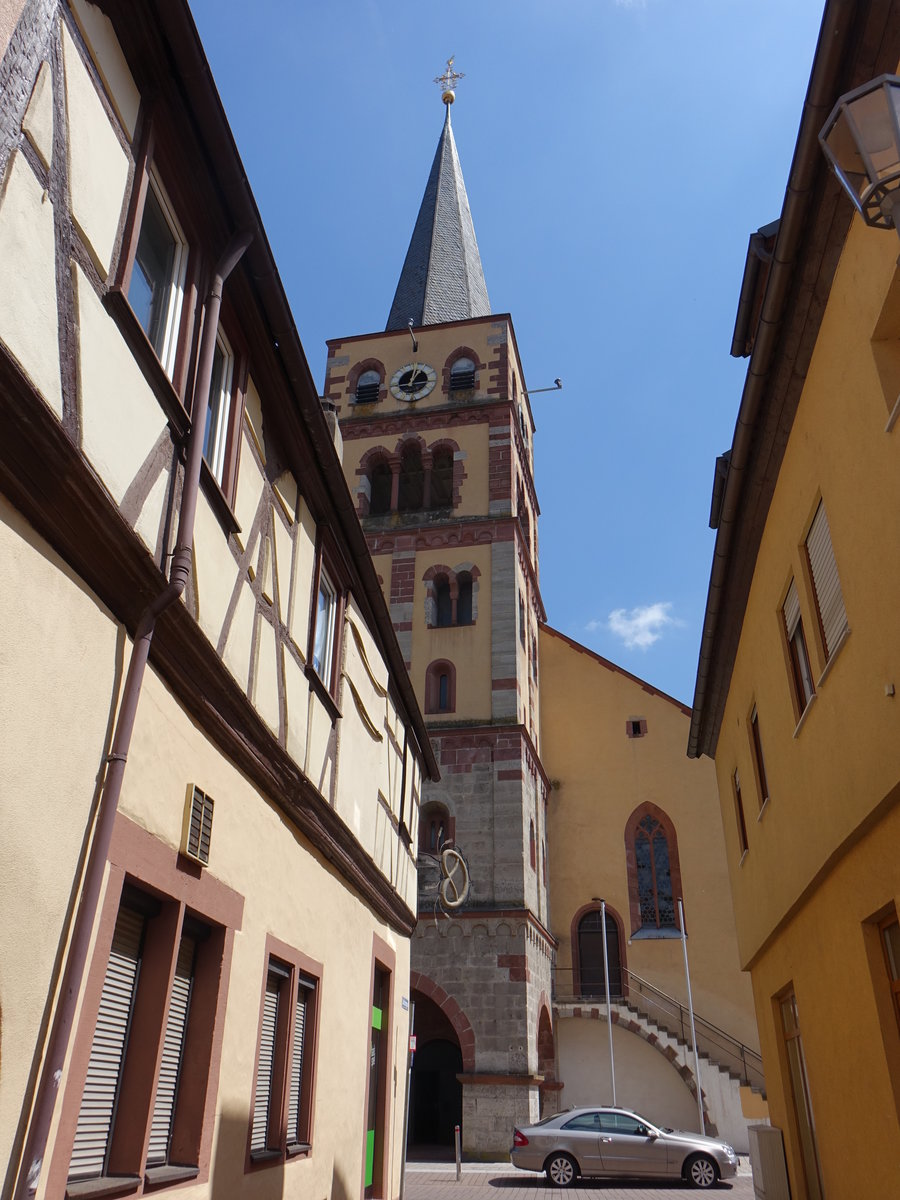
450 596
654 872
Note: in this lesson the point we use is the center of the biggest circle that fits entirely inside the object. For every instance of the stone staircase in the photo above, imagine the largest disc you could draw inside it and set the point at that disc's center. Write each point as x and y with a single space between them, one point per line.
731 1080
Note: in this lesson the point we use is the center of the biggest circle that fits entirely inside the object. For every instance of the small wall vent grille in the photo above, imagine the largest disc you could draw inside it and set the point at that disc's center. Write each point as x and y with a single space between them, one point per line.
197 830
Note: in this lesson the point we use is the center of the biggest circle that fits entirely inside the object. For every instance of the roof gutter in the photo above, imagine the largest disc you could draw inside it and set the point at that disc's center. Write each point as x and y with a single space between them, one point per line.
836 23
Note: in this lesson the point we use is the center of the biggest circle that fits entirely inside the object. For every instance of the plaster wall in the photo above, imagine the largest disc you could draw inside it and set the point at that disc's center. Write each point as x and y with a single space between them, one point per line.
603 776
98 166
28 317
820 866
51 766
828 953
97 31
645 1080
315 913
845 758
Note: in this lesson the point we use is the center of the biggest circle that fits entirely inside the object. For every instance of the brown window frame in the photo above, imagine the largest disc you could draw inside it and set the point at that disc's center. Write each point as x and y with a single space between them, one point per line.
293 967
759 764
173 903
892 978
795 642
739 813
229 330
156 158
328 561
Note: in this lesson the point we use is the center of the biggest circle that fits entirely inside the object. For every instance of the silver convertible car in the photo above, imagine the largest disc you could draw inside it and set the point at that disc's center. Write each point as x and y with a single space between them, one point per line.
618 1143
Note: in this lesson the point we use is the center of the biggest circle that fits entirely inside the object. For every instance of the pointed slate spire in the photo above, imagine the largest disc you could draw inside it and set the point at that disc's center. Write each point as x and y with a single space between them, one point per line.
442 278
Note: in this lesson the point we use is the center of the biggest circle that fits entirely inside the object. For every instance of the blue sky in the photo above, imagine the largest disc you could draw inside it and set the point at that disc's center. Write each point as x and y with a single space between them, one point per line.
617 156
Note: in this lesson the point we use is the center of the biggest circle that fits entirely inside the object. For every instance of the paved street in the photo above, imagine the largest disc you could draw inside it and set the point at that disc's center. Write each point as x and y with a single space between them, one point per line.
500 1181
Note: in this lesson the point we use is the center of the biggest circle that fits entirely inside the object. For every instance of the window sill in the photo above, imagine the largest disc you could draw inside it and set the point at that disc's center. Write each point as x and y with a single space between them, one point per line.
647 935
765 805
298 1149
217 499
743 856
841 643
805 714
161 1176
317 685
260 1158
106 1185
132 331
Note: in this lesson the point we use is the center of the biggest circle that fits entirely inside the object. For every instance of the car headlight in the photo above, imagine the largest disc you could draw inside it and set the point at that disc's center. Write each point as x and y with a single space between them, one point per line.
729 1150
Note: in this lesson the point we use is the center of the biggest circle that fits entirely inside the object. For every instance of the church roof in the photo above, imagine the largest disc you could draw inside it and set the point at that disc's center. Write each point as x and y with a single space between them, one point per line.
442 278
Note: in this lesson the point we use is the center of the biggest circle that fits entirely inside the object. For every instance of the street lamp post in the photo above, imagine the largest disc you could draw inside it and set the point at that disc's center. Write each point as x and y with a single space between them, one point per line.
861 140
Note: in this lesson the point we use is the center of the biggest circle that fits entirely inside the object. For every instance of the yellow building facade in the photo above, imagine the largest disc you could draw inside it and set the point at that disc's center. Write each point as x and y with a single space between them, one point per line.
796 695
633 822
212 753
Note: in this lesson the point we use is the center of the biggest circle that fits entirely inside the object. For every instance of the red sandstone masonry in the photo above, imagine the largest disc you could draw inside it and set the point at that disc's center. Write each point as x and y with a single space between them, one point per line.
518 967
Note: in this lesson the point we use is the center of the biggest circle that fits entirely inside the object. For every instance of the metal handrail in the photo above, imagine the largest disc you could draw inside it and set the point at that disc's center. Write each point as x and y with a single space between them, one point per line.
670 1014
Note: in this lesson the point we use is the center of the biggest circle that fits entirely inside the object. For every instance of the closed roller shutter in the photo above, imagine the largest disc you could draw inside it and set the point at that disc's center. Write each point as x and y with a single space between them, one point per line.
829 597
264 1067
296 1079
101 1087
791 609
173 1048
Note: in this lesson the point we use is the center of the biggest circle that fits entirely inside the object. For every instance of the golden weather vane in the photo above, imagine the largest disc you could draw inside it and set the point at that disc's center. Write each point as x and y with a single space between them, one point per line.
448 81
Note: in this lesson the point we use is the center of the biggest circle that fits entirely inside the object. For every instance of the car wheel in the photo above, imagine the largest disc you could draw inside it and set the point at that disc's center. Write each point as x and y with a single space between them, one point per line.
701 1171
562 1171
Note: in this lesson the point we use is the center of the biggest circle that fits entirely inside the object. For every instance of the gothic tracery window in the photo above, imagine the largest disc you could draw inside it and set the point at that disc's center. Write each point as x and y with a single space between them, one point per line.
654 873
654 876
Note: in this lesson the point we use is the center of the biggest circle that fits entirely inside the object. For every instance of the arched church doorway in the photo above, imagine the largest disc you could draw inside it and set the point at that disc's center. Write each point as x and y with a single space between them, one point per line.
591 981
435 1098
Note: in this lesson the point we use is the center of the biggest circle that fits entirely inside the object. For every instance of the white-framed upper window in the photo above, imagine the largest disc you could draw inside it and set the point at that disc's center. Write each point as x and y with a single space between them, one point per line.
156 288
215 440
802 672
323 639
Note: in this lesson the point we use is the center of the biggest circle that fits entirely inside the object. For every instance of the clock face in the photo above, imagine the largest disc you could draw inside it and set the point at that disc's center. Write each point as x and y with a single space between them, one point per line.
413 381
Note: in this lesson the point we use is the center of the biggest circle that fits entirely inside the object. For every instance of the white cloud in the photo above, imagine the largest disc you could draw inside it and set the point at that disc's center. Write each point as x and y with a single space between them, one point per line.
639 627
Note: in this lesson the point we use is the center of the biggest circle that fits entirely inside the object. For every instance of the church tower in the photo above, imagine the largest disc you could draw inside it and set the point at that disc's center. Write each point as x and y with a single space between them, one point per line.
438 451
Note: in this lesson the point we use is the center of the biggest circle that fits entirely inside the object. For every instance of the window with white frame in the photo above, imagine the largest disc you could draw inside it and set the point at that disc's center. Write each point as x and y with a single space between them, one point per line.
323 637
156 288
215 441
804 689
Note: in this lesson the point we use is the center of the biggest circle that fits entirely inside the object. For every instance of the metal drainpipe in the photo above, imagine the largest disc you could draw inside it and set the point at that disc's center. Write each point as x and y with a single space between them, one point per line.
73 974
